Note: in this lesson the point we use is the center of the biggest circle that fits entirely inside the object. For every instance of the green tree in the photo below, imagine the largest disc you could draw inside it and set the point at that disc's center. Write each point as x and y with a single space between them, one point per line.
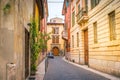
38 42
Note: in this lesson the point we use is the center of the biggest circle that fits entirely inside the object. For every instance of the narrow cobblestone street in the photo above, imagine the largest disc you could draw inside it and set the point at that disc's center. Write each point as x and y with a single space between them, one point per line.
58 69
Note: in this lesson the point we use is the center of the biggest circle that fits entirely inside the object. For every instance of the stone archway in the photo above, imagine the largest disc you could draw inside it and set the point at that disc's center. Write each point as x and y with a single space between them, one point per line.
55 51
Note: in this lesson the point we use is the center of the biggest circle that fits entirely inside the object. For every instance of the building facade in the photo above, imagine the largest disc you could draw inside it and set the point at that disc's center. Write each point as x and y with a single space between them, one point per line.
75 33
66 11
40 16
56 43
82 21
95 34
104 35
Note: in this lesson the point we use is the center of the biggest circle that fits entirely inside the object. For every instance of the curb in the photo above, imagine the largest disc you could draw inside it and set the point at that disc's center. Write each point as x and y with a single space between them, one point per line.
92 70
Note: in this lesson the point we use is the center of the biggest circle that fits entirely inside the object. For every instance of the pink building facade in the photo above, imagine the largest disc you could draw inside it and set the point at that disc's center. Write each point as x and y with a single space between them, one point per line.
66 33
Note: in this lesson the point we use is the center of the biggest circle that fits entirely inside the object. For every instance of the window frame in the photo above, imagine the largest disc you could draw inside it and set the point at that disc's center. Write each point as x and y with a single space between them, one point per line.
112 25
94 3
53 39
57 39
77 39
72 41
95 32
73 18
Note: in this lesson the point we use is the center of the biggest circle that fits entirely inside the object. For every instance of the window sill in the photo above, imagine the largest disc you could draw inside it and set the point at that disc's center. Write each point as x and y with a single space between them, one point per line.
113 43
106 44
96 45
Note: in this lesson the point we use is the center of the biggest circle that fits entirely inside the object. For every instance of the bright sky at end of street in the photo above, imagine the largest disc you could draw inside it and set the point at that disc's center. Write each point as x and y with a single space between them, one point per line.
55 9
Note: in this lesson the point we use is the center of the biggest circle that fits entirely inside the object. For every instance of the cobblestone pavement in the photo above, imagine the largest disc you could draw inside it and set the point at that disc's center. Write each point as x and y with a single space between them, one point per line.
58 69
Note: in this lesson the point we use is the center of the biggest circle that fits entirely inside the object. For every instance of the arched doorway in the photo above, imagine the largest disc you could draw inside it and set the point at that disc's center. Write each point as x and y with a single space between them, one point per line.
55 51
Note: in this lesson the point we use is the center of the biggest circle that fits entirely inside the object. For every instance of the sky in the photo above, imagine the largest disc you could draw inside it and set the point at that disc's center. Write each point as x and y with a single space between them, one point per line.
55 9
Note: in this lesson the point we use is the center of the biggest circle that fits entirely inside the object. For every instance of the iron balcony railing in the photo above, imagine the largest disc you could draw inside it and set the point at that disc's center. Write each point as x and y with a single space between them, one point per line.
81 14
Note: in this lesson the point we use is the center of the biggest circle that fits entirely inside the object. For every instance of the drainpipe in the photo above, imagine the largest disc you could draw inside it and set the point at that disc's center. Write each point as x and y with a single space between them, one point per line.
79 56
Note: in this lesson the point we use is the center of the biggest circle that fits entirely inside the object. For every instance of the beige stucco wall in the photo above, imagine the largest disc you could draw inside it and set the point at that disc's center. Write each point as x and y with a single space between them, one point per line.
6 40
105 55
12 37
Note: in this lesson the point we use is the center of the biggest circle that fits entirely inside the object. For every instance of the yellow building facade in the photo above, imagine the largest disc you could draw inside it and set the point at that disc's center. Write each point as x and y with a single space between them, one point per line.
82 21
79 32
104 36
56 43
75 32
98 25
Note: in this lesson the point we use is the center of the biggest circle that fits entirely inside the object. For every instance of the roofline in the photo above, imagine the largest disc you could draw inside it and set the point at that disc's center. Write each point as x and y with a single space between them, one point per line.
56 17
55 23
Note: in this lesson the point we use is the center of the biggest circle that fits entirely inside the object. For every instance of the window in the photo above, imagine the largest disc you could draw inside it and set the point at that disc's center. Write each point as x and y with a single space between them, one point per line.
67 3
72 41
55 39
95 32
73 18
77 39
112 25
54 21
86 5
94 3
55 30
78 8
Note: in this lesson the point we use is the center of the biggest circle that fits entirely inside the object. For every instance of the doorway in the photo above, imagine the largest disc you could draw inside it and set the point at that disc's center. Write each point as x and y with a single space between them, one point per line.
86 54
27 65
55 51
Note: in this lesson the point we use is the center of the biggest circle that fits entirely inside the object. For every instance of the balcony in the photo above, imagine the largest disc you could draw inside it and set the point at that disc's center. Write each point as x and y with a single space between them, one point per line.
65 35
82 15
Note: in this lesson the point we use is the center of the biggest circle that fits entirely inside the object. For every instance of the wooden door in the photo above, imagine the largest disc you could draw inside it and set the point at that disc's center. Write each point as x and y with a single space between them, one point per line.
55 51
86 56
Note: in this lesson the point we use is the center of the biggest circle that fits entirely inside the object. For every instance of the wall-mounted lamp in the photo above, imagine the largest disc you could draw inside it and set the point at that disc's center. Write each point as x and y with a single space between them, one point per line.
29 24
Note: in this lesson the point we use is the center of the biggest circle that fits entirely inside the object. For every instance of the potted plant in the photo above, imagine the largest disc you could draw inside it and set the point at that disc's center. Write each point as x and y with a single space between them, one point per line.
38 41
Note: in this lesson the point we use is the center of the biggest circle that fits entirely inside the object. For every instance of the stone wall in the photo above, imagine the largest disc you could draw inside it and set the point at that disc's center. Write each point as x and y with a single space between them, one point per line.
104 55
